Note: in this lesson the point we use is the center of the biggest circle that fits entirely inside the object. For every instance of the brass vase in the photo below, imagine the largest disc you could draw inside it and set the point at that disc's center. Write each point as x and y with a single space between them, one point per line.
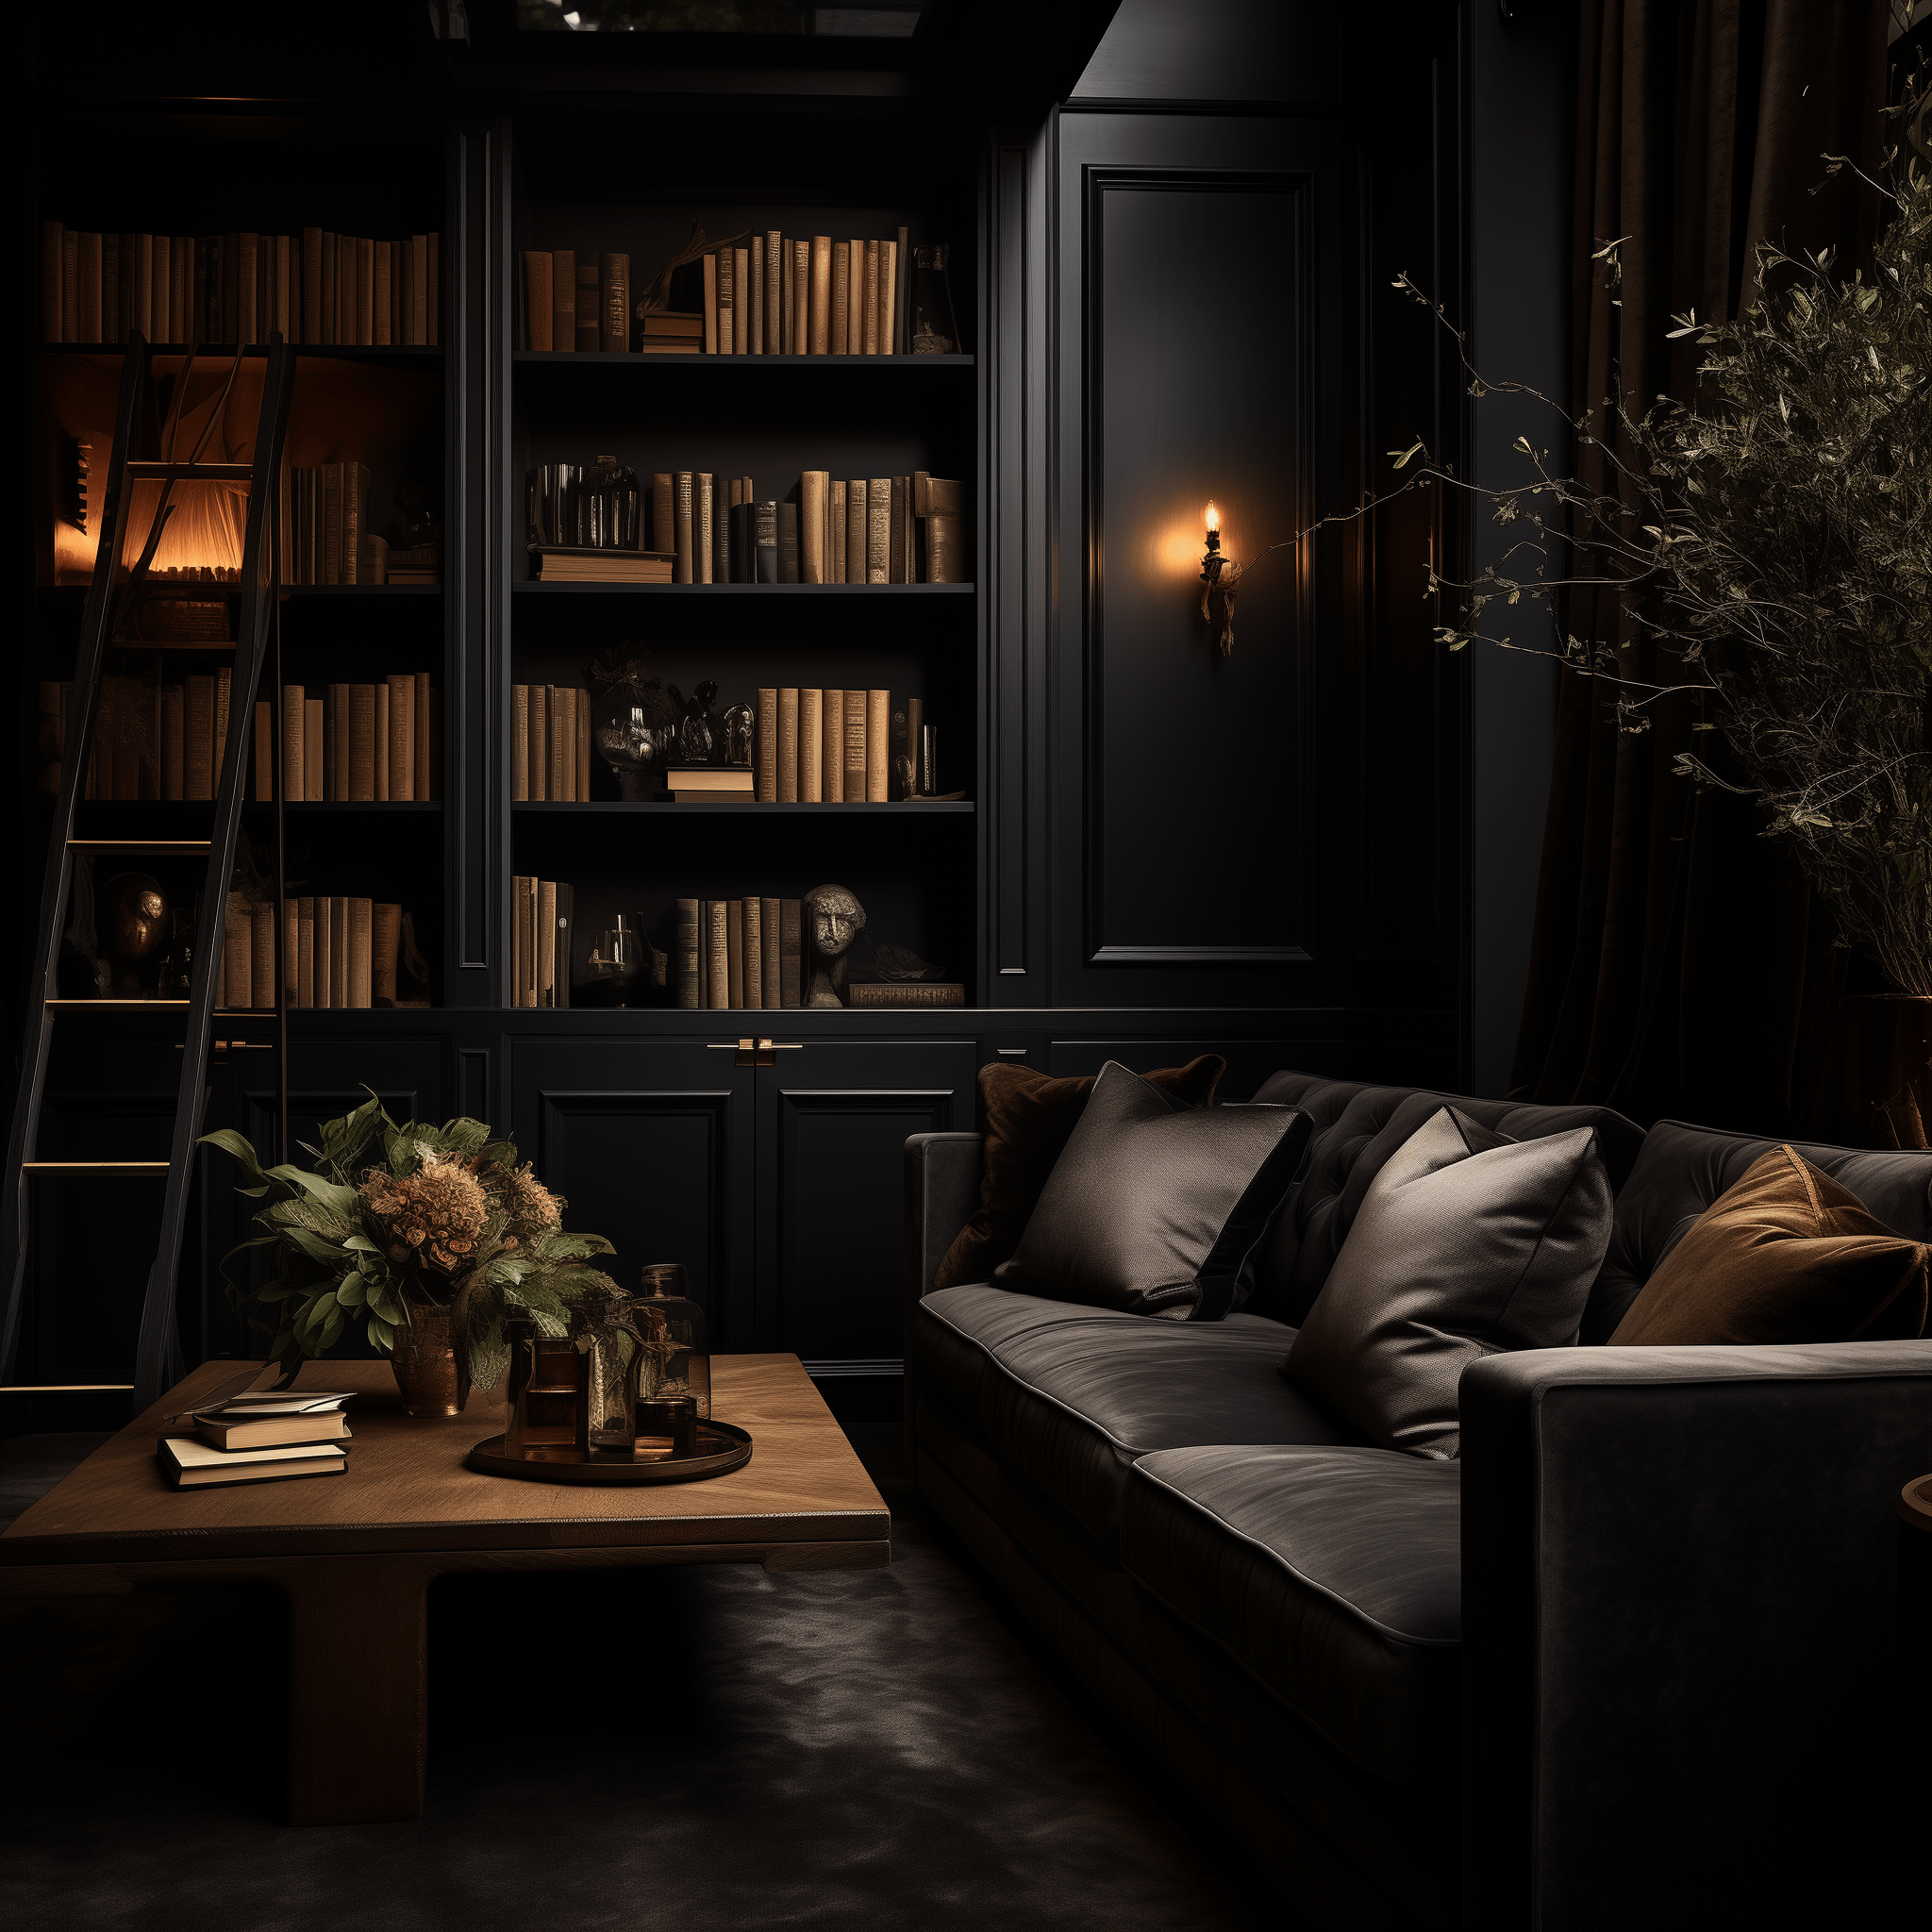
433 1381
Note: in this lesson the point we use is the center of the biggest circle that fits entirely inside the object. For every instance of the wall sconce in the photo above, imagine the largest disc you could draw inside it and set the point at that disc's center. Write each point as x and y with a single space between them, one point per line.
1221 578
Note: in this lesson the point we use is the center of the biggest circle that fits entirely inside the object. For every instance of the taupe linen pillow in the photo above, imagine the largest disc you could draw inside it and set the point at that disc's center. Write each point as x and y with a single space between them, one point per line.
1467 1244
1156 1208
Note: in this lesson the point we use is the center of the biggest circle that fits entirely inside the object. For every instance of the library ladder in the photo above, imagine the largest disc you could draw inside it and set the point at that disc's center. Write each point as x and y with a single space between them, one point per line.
108 608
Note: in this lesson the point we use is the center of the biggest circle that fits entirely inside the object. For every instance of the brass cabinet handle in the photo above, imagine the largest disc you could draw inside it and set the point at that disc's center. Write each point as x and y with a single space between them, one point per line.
755 1052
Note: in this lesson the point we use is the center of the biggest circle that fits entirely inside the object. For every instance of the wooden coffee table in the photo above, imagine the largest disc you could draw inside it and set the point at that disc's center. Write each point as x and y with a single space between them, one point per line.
356 1553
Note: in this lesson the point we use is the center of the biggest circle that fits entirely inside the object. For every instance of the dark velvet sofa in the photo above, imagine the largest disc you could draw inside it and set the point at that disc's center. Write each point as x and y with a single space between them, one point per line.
1630 1661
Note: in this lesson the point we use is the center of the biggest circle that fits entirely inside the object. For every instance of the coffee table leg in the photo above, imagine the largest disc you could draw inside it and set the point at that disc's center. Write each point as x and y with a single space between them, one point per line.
357 1689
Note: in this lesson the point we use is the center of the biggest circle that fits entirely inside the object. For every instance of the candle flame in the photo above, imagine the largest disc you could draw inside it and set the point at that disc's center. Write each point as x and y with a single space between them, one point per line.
1213 517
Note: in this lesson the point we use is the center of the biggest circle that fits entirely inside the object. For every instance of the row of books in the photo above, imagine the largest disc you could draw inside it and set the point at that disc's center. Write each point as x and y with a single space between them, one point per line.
835 747
258 1436
750 953
317 288
150 740
703 529
542 913
357 743
337 952
550 744
769 295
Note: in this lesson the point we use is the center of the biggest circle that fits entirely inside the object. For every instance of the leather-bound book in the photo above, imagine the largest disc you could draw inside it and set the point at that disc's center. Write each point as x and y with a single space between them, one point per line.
540 743
383 795
384 296
225 681
547 943
261 962
835 532
878 705
729 331
342 743
305 953
589 310
614 314
717 954
684 953
386 928
765 526
770 976
328 989
879 531
111 286
740 301
788 542
721 530
945 560
561 737
855 747
832 748
788 744
905 992
538 307
663 510
790 952
198 734
788 287
734 952
801 298
857 530
402 736
820 295
754 298
566 928
238 954
710 266
767 744
811 746
291 941
872 298
174 742
704 527
563 298
889 297
813 486
902 294
264 768
314 738
580 757
311 286
685 573
743 544
897 533
841 296
774 305
422 291
517 940
361 772
362 953
754 953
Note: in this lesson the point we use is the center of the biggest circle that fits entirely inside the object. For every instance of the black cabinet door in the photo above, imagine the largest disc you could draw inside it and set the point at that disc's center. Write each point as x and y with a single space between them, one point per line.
651 1143
833 1118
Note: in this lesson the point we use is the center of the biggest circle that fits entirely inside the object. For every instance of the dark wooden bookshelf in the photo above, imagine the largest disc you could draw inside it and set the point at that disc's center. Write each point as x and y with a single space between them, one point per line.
166 352
553 358
897 808
750 590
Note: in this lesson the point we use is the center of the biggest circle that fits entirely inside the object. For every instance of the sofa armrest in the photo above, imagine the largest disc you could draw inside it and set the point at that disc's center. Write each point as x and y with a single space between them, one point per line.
1679 1593
942 1191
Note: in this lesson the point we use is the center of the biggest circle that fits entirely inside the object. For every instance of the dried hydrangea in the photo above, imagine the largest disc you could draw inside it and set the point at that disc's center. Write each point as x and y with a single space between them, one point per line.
433 1216
529 1209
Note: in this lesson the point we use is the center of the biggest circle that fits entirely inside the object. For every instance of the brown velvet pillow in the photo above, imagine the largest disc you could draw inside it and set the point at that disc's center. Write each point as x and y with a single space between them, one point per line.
1785 1254
1029 1120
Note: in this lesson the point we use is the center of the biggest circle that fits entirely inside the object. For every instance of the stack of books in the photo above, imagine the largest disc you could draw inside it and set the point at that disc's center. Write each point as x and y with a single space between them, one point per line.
712 784
559 564
259 1437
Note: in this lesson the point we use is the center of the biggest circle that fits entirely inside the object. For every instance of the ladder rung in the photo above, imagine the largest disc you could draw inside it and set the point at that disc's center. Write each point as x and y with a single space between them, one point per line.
117 1006
158 848
190 472
93 1167
66 1388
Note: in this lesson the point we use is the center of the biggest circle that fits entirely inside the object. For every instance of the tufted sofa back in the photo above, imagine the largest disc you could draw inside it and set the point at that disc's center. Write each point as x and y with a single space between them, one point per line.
1681 1170
1357 1128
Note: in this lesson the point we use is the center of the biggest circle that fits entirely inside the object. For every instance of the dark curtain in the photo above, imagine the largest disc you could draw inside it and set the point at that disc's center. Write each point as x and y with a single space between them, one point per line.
1680 965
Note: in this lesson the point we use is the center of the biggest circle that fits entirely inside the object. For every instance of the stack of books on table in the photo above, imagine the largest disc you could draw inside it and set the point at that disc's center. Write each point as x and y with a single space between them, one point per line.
261 1437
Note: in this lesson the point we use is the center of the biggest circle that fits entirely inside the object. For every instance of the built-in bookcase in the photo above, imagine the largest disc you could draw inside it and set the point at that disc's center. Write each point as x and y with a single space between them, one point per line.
208 173
636 188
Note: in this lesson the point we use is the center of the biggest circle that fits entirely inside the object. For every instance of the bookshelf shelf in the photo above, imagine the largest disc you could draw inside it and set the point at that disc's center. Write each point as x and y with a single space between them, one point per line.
555 359
363 590
745 589
895 808
172 352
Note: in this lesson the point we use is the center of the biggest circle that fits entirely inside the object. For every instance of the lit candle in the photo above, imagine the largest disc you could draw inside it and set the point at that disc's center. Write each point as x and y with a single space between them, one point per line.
1212 560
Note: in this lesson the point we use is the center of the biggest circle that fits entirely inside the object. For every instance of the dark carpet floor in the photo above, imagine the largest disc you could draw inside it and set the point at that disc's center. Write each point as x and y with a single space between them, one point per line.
715 1749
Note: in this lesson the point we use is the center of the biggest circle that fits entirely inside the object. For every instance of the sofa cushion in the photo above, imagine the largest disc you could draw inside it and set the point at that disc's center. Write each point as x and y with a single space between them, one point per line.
1785 1254
1467 1244
1683 1169
1333 1575
1154 1207
1071 1396
1349 1147
1029 1119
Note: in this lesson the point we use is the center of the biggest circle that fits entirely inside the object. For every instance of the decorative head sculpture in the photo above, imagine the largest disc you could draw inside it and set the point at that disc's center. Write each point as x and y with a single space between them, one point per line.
131 916
834 919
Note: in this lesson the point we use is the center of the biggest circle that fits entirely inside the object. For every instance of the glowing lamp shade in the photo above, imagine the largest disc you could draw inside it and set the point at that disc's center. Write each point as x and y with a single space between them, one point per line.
1213 517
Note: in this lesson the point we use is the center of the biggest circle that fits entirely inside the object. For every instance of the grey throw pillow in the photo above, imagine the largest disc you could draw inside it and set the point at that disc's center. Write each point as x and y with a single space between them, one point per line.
1156 1208
1467 1244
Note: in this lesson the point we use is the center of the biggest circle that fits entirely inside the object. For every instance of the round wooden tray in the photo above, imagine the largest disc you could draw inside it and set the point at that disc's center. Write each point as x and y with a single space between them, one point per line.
722 1448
